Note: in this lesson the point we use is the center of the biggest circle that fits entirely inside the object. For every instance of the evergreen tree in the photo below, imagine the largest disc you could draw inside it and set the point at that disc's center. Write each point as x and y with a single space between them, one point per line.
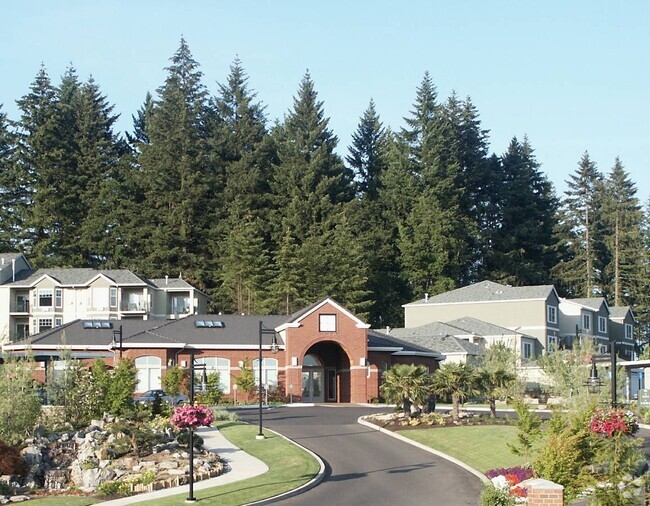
621 224
286 285
12 206
178 185
522 248
579 272
367 156
421 120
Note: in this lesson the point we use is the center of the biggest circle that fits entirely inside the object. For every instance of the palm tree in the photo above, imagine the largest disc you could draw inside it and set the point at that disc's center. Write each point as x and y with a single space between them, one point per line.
494 383
406 385
456 380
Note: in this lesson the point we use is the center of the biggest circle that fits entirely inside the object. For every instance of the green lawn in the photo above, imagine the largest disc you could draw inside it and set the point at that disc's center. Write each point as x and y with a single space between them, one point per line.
289 468
481 447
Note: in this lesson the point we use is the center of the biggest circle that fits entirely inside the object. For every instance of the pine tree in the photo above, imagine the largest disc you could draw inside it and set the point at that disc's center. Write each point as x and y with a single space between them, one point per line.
286 286
579 272
12 205
179 186
421 120
621 223
522 250
367 156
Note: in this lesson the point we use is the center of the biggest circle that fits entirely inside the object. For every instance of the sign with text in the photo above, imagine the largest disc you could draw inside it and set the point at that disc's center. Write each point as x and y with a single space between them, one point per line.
644 398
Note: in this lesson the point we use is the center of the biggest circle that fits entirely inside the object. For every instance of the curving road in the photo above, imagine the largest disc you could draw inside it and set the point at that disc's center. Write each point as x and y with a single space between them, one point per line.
365 466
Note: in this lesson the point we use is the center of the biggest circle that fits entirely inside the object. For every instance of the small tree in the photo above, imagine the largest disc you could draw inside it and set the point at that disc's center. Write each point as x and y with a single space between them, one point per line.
246 380
214 393
495 383
455 380
120 393
406 385
529 425
174 380
102 378
20 406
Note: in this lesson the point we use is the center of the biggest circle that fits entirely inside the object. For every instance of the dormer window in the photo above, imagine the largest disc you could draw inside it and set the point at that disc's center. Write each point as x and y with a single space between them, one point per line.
327 323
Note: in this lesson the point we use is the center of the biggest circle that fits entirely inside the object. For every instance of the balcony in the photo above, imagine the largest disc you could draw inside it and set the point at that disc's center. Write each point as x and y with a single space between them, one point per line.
134 307
19 306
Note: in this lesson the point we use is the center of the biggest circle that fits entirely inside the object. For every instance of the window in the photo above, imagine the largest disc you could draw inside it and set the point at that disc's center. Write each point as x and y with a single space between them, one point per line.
269 371
552 342
45 297
526 350
586 322
215 365
58 297
58 322
602 324
22 330
180 305
113 297
327 323
44 324
629 332
149 371
551 314
213 324
97 324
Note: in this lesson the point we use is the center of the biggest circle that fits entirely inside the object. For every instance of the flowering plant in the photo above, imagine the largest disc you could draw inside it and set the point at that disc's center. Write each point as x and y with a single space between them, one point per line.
507 480
191 417
517 474
613 422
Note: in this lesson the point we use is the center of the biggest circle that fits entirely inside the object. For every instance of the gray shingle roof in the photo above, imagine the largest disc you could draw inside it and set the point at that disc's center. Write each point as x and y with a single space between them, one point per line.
429 329
429 337
378 339
488 291
169 283
68 277
479 327
8 257
590 302
619 311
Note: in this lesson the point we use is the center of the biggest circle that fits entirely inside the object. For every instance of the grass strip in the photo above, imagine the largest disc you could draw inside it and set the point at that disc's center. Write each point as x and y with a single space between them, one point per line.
482 447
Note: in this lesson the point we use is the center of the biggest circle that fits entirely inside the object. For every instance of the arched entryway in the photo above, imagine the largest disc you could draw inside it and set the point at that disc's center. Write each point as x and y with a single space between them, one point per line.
325 374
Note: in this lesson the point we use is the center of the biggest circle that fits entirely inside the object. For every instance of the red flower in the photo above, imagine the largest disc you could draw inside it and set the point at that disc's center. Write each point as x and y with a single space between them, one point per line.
191 416
613 422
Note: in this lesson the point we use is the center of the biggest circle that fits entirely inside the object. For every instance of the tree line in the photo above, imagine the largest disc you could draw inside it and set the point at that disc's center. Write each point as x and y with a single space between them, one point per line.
267 217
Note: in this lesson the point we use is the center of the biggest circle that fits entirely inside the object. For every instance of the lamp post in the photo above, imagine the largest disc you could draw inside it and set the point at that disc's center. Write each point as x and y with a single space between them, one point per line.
117 334
612 350
274 349
594 382
193 366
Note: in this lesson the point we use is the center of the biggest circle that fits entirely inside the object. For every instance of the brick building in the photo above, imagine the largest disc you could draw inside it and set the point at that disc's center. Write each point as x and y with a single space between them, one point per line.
322 353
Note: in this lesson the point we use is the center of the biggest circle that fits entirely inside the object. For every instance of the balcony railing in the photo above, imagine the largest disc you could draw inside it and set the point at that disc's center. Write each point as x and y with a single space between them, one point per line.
138 306
20 307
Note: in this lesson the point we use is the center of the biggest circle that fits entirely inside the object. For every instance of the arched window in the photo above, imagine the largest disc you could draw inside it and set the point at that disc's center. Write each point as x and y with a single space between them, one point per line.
149 372
269 371
218 365
311 361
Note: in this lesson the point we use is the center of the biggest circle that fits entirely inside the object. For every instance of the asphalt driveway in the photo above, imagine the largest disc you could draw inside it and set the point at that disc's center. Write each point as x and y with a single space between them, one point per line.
364 466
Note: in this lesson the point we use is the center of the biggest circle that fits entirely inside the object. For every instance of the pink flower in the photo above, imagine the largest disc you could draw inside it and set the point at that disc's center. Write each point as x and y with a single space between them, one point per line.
192 417
613 422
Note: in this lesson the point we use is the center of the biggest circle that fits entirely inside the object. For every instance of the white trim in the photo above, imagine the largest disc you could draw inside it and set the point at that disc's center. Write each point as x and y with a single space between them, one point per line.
385 348
360 324
501 301
421 354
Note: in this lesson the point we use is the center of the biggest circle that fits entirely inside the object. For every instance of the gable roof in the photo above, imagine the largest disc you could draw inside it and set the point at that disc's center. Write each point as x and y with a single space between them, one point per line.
487 291
295 318
620 312
378 341
6 258
438 337
594 303
71 277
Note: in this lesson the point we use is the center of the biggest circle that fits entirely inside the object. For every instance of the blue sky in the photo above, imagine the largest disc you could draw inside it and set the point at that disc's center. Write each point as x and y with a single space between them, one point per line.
573 76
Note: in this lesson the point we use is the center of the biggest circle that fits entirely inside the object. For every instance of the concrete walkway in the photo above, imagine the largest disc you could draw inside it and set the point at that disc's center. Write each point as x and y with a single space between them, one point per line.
239 466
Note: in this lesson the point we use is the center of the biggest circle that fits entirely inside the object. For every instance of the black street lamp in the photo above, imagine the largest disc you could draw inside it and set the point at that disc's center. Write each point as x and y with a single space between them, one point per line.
117 334
274 349
193 366
594 382
612 351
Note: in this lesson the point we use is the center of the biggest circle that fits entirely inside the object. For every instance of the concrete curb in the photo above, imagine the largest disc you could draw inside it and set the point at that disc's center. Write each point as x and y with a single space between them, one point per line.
451 459
302 488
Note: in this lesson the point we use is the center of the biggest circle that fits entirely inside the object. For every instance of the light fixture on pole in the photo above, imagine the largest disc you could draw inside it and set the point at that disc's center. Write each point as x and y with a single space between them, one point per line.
274 349
193 366
612 351
593 383
117 334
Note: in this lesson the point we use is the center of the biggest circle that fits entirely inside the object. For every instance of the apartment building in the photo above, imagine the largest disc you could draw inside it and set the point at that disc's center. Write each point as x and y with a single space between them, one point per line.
35 300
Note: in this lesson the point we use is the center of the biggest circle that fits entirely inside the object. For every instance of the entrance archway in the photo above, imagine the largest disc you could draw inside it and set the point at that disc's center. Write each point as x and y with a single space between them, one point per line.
325 374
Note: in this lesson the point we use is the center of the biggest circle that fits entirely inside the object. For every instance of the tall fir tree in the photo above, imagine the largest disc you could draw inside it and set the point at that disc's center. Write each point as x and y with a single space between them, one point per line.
579 272
179 186
12 205
620 227
522 249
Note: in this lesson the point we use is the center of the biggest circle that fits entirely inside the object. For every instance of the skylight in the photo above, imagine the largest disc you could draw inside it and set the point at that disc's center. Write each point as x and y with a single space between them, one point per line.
216 324
97 324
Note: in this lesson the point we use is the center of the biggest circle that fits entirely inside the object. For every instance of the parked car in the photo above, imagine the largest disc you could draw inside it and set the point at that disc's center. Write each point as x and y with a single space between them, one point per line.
151 396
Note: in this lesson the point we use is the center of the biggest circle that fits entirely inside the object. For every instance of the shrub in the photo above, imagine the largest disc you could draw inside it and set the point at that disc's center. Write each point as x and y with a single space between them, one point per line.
183 439
11 461
492 496
20 406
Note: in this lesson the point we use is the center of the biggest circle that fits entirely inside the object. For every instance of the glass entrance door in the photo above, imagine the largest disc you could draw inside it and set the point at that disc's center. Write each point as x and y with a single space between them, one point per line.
312 385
